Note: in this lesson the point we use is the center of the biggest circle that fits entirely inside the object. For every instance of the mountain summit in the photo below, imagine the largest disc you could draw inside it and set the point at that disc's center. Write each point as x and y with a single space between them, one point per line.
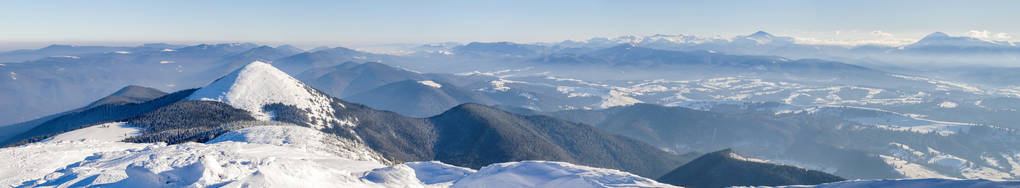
762 38
942 41
936 35
725 168
760 34
258 84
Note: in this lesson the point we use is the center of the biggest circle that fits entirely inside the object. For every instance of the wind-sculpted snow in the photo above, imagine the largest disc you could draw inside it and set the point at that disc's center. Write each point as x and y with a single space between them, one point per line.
300 137
195 164
435 172
259 84
34 161
551 174
272 156
38 159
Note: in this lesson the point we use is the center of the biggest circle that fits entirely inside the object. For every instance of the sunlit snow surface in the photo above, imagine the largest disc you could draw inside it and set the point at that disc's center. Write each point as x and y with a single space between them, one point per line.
293 156
303 138
35 161
106 132
272 156
551 174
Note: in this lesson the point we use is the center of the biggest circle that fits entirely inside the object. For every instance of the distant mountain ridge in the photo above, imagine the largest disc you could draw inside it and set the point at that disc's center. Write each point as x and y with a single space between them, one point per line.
497 49
54 50
939 42
129 94
865 122
849 142
84 117
351 78
934 46
77 80
322 58
86 73
419 98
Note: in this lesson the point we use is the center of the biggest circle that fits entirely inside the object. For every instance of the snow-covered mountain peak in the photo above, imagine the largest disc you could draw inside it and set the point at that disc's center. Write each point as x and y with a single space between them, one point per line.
258 84
761 37
940 39
937 34
760 34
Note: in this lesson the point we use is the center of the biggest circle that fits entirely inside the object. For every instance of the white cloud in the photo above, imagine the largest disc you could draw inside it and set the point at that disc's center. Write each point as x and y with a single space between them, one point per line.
987 35
978 34
853 42
1003 36
852 38
881 33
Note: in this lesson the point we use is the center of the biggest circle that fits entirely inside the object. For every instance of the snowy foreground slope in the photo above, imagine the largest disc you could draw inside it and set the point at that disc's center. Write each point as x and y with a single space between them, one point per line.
288 155
293 156
917 183
270 156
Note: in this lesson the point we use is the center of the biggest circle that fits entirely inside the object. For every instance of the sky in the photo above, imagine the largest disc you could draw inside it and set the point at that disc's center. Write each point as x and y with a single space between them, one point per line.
312 23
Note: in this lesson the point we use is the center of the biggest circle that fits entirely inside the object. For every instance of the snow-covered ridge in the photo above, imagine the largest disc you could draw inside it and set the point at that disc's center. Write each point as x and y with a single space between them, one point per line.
742 158
106 132
430 83
291 156
942 85
552 174
272 156
258 84
304 138
36 160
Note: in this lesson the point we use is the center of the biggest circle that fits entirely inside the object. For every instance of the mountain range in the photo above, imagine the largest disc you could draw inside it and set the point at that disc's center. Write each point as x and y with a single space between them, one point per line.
848 142
48 80
935 46
546 102
468 135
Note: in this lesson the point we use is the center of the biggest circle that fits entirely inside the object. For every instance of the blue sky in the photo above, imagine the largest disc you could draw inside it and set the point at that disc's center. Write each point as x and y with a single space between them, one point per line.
364 22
